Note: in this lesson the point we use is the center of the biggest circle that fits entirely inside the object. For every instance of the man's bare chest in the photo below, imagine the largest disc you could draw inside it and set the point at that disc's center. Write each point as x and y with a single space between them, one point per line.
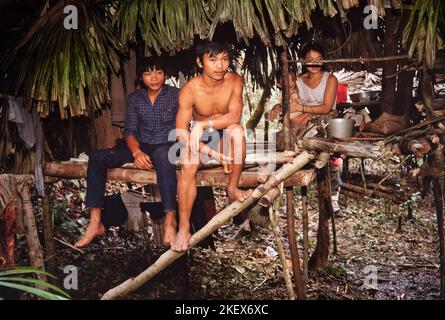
208 104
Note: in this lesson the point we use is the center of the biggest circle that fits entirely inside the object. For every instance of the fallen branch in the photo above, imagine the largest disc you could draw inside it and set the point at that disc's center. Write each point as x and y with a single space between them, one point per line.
69 245
369 192
217 221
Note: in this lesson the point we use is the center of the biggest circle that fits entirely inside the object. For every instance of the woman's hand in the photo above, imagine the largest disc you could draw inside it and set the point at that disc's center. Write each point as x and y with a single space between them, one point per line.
298 106
142 161
275 113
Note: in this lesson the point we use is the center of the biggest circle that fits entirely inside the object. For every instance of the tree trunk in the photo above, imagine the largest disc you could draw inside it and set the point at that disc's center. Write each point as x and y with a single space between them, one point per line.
259 110
106 133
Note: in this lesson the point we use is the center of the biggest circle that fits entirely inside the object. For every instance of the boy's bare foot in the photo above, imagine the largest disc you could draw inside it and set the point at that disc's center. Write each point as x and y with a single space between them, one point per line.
169 228
182 240
238 194
96 228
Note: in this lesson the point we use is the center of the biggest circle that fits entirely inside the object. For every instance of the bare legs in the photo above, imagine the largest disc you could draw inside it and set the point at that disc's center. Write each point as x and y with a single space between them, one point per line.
186 198
169 228
95 228
237 149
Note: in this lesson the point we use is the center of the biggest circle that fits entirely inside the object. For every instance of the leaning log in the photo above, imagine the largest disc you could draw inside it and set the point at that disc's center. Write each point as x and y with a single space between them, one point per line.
211 177
217 221
268 199
352 149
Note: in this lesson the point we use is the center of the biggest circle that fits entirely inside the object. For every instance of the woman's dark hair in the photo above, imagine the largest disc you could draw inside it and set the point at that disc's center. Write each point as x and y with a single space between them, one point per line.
312 46
212 48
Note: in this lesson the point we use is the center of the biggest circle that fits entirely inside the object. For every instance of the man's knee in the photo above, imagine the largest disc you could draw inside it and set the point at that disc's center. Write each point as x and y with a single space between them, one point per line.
188 171
97 157
235 130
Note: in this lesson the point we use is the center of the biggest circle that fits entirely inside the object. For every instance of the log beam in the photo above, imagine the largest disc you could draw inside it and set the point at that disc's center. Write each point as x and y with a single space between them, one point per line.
352 149
213 177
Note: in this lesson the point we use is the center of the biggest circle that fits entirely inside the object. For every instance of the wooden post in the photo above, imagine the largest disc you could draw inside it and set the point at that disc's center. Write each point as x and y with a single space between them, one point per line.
320 256
305 233
438 201
50 246
389 67
289 145
32 237
273 216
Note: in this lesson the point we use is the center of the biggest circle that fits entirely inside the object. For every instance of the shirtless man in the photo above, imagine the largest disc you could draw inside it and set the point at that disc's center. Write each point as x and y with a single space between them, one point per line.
214 100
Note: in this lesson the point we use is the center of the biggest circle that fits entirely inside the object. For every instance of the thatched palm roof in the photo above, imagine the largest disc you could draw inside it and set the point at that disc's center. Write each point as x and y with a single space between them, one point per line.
70 68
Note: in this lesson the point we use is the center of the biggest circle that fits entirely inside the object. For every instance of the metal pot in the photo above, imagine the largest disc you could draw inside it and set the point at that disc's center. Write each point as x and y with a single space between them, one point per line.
340 128
366 96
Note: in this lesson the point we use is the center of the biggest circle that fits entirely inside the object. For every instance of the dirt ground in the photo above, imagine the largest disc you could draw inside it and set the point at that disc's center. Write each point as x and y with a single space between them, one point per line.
245 265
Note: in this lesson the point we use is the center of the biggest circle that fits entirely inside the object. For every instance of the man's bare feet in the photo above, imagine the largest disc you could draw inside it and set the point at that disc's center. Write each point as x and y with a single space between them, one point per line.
96 228
182 240
238 194
169 228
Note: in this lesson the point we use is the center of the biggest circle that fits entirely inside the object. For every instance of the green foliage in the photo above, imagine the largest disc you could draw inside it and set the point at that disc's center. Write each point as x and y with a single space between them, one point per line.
10 279
421 35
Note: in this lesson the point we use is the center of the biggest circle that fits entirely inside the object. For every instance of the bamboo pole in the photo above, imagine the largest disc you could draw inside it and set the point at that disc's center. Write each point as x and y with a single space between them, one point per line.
356 60
217 221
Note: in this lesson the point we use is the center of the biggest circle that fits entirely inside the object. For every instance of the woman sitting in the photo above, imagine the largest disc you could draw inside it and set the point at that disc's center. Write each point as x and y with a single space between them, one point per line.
313 95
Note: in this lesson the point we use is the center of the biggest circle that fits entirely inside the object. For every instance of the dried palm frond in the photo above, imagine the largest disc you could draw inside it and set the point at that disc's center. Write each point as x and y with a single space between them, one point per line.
66 66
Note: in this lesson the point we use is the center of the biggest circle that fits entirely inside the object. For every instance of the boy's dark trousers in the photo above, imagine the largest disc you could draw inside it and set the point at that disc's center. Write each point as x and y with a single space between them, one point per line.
102 160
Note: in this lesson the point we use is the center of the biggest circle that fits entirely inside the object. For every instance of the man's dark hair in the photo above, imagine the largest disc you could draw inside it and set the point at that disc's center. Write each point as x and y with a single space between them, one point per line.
212 48
150 64
147 65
